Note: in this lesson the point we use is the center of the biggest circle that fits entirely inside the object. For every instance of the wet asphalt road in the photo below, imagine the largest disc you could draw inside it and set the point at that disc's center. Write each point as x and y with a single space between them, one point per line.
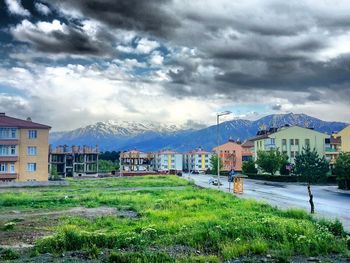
329 202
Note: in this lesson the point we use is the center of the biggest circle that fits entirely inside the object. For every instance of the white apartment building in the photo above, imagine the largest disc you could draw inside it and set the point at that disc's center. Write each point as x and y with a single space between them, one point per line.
167 160
197 160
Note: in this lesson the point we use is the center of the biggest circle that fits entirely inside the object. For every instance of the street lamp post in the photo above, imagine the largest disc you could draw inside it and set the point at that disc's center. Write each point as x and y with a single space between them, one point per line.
217 138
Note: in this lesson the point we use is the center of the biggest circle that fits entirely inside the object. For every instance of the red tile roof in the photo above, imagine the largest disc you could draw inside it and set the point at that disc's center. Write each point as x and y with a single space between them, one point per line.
6 121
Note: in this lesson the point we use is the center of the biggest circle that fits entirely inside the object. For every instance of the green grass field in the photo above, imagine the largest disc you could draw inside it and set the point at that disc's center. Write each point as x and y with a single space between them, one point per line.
155 219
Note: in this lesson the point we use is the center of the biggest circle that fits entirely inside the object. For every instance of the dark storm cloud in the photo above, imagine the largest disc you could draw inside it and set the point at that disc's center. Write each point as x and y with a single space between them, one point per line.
299 77
73 40
141 15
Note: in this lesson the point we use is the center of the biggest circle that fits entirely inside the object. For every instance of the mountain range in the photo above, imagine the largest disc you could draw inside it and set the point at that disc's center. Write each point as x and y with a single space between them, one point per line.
148 136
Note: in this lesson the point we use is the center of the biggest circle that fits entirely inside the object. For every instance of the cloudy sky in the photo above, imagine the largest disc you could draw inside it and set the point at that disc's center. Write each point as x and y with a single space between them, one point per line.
70 63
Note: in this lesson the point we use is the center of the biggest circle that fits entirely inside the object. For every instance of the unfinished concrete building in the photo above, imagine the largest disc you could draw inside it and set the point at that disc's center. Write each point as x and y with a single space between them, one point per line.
74 161
136 161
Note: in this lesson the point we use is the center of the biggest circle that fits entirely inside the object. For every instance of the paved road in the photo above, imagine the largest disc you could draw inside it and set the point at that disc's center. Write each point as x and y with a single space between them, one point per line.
329 202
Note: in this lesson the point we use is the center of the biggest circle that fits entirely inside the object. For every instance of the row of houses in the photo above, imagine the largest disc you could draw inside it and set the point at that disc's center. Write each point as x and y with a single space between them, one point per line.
289 140
25 154
232 154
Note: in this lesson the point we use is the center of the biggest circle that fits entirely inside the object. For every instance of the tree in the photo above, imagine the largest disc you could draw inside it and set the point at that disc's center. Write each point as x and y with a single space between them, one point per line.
310 165
342 171
214 164
270 161
248 167
107 166
54 174
110 156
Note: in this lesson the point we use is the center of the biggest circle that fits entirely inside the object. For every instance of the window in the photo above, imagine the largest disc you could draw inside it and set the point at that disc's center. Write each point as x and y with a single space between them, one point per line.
13 150
307 142
31 150
292 154
291 141
296 141
3 167
7 150
32 134
8 133
31 167
284 142
12 168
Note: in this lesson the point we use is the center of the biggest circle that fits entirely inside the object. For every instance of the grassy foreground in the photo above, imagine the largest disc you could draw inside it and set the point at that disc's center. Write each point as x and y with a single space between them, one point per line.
166 220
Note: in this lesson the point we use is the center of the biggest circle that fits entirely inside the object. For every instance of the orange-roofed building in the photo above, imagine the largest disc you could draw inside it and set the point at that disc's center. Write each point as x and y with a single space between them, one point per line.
233 153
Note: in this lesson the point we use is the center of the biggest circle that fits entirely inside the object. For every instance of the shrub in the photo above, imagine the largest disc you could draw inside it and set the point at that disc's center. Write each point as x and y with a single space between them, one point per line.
144 257
9 226
8 254
248 167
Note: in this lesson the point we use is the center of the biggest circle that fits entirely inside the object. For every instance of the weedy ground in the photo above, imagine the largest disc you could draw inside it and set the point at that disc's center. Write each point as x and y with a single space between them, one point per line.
156 219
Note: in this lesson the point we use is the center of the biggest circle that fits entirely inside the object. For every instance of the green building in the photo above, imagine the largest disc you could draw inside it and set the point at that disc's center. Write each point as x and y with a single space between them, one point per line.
290 140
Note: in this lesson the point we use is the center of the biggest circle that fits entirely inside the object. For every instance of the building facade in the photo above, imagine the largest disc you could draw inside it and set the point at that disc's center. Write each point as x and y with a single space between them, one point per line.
132 161
344 134
290 140
24 147
74 161
197 161
332 149
233 153
167 161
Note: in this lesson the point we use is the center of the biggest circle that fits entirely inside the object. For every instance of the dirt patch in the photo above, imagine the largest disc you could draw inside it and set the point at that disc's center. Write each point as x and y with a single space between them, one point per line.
30 226
76 211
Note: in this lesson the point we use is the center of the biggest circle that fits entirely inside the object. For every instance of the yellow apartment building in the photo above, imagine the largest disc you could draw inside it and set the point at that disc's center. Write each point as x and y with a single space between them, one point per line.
24 147
345 139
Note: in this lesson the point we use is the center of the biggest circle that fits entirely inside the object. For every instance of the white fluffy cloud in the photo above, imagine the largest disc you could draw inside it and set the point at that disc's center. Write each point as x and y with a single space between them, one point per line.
15 7
145 45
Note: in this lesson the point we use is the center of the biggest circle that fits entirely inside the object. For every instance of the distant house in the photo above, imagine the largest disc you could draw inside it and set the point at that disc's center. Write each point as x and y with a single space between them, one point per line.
344 134
289 140
168 160
134 160
24 147
74 161
197 160
233 153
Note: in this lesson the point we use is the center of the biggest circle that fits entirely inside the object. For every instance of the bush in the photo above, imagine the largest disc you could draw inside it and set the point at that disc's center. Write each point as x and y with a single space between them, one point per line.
9 226
144 257
8 254
248 167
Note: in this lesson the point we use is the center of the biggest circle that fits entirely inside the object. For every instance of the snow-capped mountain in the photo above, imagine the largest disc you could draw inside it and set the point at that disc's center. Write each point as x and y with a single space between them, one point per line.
121 135
118 131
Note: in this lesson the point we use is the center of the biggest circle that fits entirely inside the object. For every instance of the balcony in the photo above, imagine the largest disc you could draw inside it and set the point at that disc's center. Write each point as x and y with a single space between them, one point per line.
8 176
8 141
330 150
8 158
